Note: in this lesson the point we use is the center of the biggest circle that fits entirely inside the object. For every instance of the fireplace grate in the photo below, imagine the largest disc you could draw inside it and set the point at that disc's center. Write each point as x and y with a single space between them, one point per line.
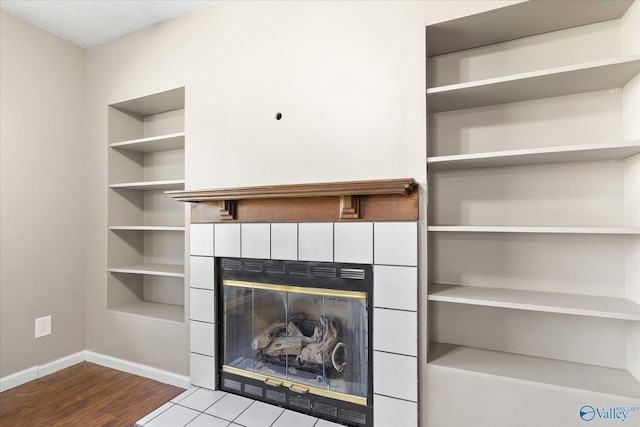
231 264
253 266
298 269
324 409
300 402
353 416
312 271
319 271
276 268
352 273
252 389
276 396
233 385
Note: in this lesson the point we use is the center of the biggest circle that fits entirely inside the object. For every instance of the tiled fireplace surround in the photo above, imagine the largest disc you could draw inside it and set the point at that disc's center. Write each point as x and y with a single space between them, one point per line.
392 249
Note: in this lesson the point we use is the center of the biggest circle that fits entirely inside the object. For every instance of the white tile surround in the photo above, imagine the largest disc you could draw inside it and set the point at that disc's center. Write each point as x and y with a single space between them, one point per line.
392 247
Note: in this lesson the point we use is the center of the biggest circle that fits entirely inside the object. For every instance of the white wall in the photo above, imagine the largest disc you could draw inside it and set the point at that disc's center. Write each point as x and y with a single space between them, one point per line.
348 77
42 214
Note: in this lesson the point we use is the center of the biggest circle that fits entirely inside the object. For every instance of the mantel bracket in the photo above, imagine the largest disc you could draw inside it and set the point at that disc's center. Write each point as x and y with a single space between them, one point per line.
227 209
349 207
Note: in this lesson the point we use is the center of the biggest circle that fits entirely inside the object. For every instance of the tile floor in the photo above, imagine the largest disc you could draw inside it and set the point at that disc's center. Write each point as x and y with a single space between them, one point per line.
198 407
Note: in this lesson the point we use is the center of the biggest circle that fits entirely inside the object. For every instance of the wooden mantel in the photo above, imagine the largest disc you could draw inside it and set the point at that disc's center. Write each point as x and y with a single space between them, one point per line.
378 200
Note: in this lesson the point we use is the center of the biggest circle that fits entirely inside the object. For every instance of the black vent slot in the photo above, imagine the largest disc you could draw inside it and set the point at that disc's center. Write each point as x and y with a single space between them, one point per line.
252 389
322 408
231 264
299 269
276 396
275 268
352 273
253 266
300 402
353 416
319 271
233 385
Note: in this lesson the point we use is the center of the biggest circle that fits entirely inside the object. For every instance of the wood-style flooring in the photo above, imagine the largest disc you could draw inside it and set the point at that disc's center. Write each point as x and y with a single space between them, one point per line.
83 395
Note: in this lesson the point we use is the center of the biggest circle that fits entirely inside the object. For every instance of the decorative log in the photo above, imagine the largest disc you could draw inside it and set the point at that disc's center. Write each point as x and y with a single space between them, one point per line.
320 353
265 338
283 346
294 331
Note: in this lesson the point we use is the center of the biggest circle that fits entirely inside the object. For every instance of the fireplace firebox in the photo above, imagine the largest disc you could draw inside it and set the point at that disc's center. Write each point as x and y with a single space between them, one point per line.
297 334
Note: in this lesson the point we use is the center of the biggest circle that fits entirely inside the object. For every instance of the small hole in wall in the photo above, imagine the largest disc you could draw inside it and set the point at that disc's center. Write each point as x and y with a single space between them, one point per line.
278 116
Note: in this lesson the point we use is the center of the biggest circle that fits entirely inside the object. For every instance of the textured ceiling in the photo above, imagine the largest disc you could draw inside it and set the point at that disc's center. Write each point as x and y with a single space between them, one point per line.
89 23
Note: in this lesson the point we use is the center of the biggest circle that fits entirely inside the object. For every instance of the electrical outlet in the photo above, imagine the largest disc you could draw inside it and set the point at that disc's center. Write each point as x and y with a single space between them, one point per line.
43 326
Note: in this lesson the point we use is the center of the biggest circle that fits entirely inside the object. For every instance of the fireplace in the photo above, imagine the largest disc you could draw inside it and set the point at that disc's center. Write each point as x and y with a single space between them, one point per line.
279 248
296 334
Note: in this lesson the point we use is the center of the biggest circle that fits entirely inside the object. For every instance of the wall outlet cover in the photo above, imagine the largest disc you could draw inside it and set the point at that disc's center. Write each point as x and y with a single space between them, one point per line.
43 326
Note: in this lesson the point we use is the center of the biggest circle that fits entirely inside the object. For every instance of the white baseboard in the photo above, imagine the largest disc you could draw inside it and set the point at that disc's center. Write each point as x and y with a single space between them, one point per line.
19 378
35 372
39 371
56 365
138 369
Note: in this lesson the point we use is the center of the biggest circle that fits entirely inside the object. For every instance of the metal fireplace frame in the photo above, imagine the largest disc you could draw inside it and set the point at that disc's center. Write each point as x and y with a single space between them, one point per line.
302 274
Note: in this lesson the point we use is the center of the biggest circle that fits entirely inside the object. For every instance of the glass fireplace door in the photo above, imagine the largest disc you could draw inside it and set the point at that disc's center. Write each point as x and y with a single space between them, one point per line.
310 340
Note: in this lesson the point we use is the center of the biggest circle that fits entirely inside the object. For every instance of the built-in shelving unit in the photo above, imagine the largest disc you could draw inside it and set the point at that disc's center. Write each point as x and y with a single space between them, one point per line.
146 228
533 159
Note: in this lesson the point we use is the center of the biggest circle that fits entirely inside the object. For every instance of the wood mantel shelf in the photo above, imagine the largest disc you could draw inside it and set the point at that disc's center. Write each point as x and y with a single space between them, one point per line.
377 200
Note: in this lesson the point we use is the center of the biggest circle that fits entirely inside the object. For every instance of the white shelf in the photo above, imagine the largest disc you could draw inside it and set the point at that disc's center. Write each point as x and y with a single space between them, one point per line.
550 374
169 312
587 77
572 153
167 270
154 104
534 229
153 144
550 302
525 19
144 228
175 184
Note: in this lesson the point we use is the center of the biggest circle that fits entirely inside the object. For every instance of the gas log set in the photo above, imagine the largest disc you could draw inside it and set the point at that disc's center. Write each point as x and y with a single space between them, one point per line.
303 344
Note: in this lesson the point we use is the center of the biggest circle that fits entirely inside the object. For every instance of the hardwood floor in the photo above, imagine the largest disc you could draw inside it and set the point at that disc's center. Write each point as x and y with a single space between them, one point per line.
83 395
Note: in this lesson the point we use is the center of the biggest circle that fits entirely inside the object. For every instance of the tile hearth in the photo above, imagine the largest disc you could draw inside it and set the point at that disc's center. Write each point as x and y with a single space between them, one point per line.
214 408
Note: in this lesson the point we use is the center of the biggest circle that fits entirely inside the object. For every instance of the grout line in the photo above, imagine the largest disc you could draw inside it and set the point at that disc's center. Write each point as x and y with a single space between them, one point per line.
396 398
373 250
158 414
276 420
269 240
297 241
397 265
395 309
333 230
193 390
215 247
245 410
396 354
